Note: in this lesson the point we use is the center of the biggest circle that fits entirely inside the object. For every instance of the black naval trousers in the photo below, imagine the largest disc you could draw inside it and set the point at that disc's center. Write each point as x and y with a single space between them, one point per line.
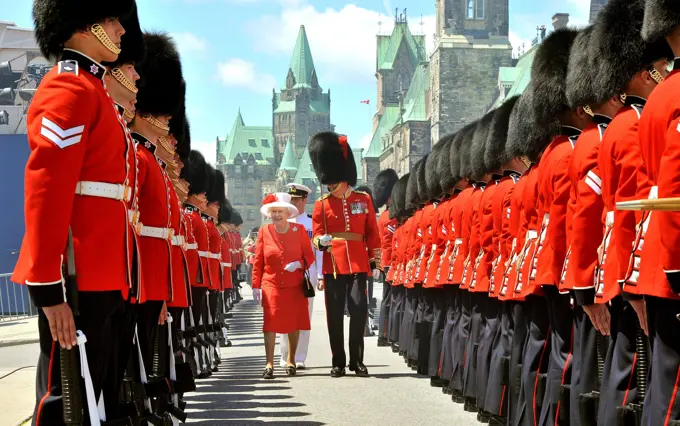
350 288
662 402
385 304
585 375
458 342
100 319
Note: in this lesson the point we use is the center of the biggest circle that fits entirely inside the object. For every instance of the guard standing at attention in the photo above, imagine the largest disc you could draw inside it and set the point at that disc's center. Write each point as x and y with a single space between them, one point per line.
345 228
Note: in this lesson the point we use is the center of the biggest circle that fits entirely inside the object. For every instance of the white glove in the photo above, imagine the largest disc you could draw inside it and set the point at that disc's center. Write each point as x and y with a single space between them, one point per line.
376 274
325 240
292 266
257 295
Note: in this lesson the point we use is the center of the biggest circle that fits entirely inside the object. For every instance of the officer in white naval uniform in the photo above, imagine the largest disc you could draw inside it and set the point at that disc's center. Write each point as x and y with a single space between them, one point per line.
299 194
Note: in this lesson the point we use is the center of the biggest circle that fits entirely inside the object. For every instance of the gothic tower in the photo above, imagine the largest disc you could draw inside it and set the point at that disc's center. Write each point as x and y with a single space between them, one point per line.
595 7
471 44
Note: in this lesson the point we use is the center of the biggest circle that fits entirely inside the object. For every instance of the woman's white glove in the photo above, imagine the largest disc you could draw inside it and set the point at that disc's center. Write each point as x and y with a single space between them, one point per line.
293 266
257 295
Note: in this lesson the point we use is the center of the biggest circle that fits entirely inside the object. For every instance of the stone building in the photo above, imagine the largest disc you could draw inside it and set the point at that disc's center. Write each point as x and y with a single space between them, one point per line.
595 7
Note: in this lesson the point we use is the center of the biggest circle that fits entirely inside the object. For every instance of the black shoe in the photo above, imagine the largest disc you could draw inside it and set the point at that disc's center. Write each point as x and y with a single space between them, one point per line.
382 342
470 405
395 348
483 416
338 372
268 373
359 369
436 382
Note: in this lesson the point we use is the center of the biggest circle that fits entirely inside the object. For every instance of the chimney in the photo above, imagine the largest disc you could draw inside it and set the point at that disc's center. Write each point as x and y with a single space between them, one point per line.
560 20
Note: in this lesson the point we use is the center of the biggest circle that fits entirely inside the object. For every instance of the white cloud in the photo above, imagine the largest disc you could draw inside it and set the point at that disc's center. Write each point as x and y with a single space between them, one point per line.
208 149
581 14
519 44
241 73
189 42
365 141
343 41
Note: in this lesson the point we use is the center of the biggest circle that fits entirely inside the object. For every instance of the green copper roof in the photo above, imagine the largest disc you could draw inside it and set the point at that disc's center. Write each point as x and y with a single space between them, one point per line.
385 125
321 106
302 63
415 106
306 170
388 46
288 161
519 75
246 140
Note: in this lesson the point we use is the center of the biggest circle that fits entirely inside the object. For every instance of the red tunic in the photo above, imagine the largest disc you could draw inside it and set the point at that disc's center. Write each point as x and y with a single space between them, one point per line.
75 135
200 233
181 289
471 221
284 303
196 272
427 224
461 212
669 186
225 261
154 214
517 230
586 224
386 229
440 230
354 215
554 188
447 239
501 209
520 280
484 262
215 256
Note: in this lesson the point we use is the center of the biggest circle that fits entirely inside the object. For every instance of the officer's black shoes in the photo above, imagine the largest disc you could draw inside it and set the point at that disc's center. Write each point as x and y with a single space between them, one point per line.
395 348
470 405
382 342
436 382
359 369
203 375
338 372
483 416
268 373
498 421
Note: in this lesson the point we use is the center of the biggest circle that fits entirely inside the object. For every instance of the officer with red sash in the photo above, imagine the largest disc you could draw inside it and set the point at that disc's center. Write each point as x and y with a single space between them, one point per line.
345 228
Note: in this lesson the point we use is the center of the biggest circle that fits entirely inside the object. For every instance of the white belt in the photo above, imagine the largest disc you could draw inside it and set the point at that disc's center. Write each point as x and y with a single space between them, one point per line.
532 234
653 193
214 255
153 232
610 218
458 241
225 264
192 246
178 240
203 253
113 191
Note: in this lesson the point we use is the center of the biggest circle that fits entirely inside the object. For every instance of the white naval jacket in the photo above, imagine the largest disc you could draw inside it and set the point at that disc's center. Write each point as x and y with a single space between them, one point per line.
317 266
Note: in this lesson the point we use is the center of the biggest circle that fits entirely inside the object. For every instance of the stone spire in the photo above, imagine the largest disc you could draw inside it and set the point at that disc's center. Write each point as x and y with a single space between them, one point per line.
302 64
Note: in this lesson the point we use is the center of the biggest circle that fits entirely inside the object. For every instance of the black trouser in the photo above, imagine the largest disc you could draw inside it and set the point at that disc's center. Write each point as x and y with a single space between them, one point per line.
102 315
438 303
398 294
491 315
478 303
584 371
147 330
519 338
369 282
452 312
353 289
459 340
385 304
213 296
198 295
497 395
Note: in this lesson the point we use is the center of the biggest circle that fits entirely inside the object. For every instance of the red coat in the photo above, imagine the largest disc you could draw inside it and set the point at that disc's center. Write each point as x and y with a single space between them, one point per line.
526 259
75 135
447 238
427 223
386 229
462 216
225 261
353 215
181 288
215 257
154 212
273 251
554 188
414 247
587 221
201 277
440 230
484 262
501 209
661 109
516 230
669 186
472 214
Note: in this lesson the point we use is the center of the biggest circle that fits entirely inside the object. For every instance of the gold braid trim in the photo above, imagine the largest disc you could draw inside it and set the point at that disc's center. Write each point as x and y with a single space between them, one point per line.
155 122
656 75
101 35
124 81
129 115
588 110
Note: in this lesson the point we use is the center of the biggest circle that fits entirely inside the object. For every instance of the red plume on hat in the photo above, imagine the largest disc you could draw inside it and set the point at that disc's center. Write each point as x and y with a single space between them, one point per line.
342 139
270 198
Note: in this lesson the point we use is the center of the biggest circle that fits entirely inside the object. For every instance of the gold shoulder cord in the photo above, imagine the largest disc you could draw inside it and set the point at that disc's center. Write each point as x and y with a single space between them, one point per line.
588 110
155 122
656 75
101 35
124 81
167 145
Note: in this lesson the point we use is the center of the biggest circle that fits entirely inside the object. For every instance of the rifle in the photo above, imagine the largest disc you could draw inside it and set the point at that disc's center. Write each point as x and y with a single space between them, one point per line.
72 397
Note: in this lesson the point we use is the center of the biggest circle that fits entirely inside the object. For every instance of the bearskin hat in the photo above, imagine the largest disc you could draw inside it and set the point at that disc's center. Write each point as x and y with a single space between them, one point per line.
621 51
582 72
196 174
382 186
412 198
184 145
225 212
398 208
236 218
366 189
527 137
434 189
132 47
478 147
661 18
177 121
495 155
216 192
423 193
332 158
56 21
447 180
464 150
458 163
161 91
549 74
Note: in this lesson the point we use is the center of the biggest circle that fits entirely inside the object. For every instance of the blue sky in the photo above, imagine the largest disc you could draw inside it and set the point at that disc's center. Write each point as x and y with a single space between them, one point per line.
235 51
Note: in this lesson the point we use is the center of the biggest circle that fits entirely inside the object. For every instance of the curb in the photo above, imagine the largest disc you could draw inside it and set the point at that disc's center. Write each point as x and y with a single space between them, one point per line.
18 342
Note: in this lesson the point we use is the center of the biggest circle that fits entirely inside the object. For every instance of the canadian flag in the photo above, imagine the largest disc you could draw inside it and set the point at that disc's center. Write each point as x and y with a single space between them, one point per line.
367 102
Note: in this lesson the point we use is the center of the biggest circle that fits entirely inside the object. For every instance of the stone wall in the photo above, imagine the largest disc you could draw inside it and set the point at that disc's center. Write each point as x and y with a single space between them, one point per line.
371 168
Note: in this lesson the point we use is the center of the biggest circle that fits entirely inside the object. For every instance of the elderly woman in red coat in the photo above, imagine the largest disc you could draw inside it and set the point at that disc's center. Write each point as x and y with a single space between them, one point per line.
282 252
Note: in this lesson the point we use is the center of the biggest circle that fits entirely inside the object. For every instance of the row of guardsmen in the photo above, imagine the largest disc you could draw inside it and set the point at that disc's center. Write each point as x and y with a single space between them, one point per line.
131 248
533 257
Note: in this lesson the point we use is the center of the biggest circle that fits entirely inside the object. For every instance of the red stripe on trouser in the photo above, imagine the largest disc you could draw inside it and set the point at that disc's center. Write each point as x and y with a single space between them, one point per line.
540 361
441 362
49 386
564 373
630 381
670 405
500 409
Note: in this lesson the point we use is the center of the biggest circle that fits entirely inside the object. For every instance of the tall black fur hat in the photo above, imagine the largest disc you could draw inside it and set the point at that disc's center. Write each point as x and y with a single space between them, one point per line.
661 18
423 193
225 212
382 186
434 188
177 122
527 137
412 199
216 192
478 147
184 145
236 218
447 180
619 46
495 155
582 72
56 21
465 149
332 158
161 91
132 47
549 74
197 174
397 210
458 154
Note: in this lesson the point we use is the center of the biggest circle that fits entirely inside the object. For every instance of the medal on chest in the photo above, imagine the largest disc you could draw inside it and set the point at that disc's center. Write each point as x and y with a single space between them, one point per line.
358 208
